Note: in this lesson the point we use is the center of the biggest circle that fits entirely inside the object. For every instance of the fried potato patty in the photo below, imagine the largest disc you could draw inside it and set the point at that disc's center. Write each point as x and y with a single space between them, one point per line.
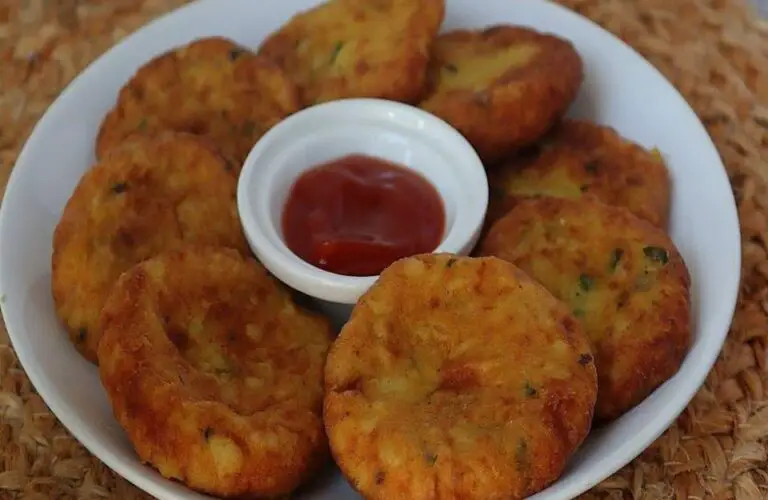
578 159
148 196
457 378
358 48
211 87
623 277
215 374
502 87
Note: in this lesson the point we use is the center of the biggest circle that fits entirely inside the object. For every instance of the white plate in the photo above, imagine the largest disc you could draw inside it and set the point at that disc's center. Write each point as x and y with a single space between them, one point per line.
621 89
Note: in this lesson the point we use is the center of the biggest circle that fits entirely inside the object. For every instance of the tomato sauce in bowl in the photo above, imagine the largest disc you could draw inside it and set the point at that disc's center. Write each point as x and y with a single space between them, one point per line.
358 214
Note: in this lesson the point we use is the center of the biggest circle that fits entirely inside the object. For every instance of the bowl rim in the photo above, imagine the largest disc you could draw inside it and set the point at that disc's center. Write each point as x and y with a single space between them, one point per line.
257 180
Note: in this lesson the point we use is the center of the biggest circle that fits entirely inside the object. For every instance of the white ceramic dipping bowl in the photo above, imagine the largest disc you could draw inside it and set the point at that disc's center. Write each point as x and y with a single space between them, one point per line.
383 129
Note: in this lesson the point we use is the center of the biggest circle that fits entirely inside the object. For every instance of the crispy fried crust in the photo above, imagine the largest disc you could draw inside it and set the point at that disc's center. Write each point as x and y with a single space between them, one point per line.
502 87
210 87
214 373
358 48
457 378
148 196
578 159
621 275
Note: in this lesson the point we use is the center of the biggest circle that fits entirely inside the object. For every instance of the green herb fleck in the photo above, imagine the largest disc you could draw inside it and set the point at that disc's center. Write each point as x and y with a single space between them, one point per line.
235 53
119 187
585 359
3 298
616 256
335 53
592 166
450 263
586 282
451 68
578 312
207 433
656 254
530 391
82 334
430 458
142 126
249 127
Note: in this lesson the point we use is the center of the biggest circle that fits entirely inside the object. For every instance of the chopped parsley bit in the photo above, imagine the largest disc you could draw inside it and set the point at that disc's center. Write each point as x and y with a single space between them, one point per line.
142 126
3 298
592 166
249 127
530 391
430 458
119 187
235 53
521 453
578 312
585 359
207 433
450 263
656 254
451 68
616 256
82 333
335 53
586 282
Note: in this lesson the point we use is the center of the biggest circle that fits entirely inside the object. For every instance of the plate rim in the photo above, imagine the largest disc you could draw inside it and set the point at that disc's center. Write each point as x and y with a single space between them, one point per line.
623 456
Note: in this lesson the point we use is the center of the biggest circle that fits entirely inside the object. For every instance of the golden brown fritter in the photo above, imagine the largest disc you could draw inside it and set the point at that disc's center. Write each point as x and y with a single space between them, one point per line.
502 87
211 87
148 196
358 48
457 378
622 276
578 159
215 374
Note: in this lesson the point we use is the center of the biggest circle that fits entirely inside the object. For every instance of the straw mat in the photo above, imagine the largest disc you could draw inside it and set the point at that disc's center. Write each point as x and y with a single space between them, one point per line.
714 51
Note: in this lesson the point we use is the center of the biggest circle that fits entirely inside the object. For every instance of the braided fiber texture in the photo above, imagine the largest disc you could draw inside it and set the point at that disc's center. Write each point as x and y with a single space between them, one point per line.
714 51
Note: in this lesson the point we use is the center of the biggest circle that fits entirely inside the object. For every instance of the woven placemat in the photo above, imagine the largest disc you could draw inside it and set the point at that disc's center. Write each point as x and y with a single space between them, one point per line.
714 51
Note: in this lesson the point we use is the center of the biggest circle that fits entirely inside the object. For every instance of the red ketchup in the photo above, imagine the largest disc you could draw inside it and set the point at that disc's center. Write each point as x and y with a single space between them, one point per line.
358 214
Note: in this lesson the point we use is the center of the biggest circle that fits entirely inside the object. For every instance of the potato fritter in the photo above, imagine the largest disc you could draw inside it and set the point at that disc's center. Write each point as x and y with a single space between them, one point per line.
457 378
211 87
148 196
358 48
622 277
578 159
215 374
502 87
